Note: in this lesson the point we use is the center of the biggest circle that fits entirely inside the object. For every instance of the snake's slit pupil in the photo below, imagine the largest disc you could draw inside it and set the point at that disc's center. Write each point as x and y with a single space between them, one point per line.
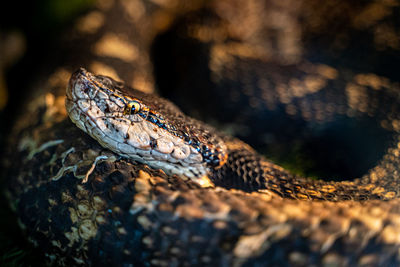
133 107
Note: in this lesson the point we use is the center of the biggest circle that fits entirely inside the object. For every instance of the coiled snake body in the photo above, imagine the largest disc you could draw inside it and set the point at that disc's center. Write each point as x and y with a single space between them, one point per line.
208 198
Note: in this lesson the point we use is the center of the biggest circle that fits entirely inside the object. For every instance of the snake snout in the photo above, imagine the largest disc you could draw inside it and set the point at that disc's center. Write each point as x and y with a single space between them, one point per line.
78 85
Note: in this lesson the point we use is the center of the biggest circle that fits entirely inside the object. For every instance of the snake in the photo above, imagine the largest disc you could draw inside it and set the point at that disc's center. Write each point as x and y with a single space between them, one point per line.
130 180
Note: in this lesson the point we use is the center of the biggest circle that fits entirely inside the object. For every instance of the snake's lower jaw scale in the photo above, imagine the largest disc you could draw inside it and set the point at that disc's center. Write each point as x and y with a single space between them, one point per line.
205 182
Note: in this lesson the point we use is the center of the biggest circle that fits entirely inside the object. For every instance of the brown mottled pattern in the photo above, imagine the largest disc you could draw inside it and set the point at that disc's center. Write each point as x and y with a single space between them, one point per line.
80 204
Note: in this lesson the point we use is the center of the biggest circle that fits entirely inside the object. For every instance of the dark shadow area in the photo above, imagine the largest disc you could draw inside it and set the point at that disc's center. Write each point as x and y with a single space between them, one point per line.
15 250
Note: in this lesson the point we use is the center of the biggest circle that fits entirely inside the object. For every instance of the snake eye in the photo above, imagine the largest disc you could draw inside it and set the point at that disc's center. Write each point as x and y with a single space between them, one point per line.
132 107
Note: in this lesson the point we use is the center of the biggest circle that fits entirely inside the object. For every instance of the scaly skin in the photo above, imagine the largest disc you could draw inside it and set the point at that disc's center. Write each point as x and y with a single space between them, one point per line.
82 204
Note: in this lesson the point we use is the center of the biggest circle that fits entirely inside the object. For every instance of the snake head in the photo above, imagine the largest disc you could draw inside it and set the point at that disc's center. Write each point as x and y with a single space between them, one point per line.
143 127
